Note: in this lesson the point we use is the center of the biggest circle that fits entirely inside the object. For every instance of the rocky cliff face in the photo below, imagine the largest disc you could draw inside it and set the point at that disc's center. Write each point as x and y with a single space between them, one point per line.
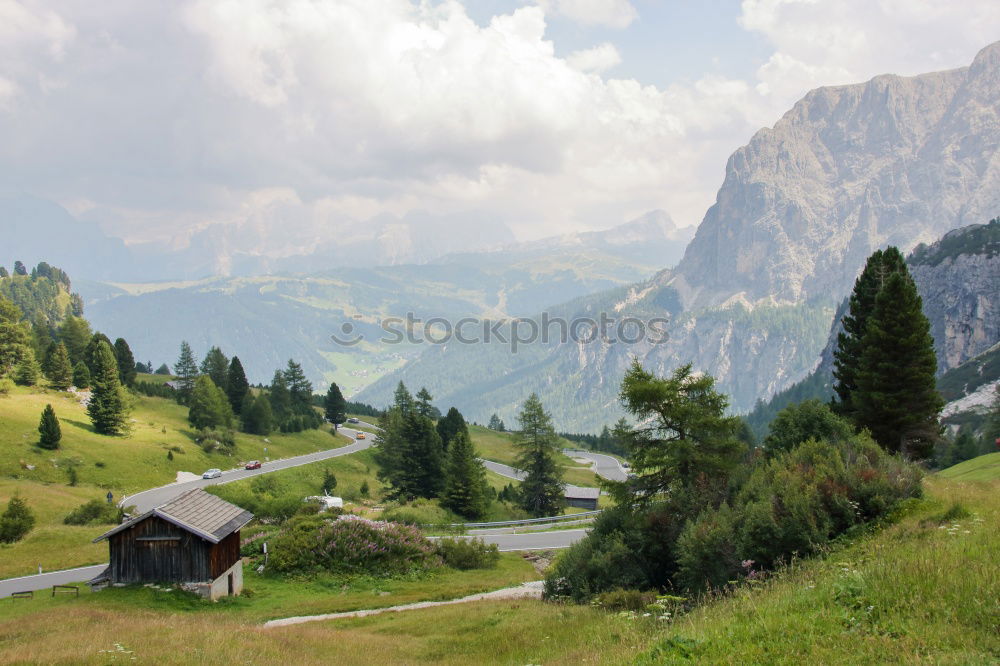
894 161
961 292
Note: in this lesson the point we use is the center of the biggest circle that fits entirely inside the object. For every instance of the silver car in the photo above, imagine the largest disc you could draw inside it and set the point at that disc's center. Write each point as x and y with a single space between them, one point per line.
212 474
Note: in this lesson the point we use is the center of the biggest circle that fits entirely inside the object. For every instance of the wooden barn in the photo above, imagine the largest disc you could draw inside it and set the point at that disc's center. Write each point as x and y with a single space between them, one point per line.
192 540
583 498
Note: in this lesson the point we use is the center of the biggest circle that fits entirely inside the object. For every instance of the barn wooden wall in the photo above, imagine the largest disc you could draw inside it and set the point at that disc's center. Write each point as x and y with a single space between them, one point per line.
158 551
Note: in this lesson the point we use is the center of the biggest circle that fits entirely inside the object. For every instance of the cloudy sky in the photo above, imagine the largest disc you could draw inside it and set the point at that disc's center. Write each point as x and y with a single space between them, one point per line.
294 119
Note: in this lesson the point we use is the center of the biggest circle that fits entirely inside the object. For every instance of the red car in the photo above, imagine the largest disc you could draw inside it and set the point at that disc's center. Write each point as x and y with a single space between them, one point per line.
253 464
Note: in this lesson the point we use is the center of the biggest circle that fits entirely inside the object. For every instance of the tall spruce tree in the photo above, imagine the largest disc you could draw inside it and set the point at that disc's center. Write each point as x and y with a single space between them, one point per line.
74 332
847 357
126 362
90 353
896 397
465 487
186 370
216 366
59 371
280 398
27 372
15 337
423 404
335 406
408 450
48 429
237 386
541 492
450 426
81 375
108 406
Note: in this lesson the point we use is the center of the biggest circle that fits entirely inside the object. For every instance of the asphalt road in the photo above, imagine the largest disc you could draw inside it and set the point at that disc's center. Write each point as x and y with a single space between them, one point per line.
532 540
605 466
150 499
46 580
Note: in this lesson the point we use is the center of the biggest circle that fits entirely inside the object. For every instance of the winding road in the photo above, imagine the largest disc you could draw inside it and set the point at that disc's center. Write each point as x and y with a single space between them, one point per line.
605 466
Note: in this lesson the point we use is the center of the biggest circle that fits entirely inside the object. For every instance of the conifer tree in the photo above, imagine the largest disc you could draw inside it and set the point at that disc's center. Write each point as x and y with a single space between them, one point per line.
280 398
186 370
335 406
126 362
27 371
90 353
465 487
208 406
3 272
74 332
60 372
423 404
108 406
299 388
19 268
164 369
541 492
16 521
896 397
847 357
14 336
450 426
216 366
48 429
256 413
237 386
408 450
81 376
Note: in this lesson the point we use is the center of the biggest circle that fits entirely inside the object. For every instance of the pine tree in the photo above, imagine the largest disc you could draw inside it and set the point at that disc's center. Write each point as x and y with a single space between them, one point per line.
402 399
541 492
108 406
14 336
50 352
257 417
495 423
126 362
423 404
60 372
329 482
335 406
16 521
208 406
27 372
216 366
48 429
81 376
74 332
451 426
896 397
280 398
164 369
186 370
90 353
847 357
19 268
408 451
237 386
299 388
465 486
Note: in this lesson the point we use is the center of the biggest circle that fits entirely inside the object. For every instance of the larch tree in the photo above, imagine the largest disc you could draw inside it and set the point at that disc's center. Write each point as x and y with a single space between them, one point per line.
186 371
216 365
541 492
209 407
126 362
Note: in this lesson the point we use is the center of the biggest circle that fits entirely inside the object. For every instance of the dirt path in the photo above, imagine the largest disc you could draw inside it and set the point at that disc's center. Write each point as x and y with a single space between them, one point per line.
531 590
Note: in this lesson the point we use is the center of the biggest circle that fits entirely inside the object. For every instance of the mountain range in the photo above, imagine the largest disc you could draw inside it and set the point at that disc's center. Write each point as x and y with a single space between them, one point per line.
849 169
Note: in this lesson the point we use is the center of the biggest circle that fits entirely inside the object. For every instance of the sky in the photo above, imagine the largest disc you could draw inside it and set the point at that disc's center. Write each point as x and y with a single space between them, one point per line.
287 123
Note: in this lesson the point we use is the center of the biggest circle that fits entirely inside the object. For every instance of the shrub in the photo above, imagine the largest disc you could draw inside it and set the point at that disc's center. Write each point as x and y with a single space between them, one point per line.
420 512
94 512
468 553
6 386
625 600
215 439
351 545
16 521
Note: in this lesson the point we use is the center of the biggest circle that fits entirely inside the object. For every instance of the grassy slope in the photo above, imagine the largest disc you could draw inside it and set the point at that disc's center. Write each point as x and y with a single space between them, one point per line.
981 468
932 589
123 465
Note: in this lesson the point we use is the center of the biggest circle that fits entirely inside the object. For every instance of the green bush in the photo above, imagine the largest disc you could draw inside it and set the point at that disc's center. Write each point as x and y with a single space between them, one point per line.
216 439
350 544
625 600
420 512
16 521
94 512
468 553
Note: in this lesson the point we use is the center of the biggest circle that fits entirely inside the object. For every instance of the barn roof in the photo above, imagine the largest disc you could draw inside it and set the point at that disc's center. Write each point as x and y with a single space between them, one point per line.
211 518
576 492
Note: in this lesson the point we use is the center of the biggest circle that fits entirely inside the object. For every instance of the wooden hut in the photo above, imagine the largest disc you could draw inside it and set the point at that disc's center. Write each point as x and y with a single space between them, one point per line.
193 540
583 498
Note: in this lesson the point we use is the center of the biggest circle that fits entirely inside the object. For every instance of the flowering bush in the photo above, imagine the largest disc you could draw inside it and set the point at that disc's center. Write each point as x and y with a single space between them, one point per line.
351 544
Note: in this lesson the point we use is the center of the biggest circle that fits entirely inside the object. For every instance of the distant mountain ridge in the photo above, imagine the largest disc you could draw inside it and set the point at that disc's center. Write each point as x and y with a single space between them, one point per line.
896 160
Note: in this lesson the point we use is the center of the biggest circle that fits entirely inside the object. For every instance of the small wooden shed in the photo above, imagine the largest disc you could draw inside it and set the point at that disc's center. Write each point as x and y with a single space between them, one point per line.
193 540
583 498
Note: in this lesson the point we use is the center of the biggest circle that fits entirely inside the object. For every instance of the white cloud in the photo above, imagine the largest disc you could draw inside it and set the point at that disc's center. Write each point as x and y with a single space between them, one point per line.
597 59
610 13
